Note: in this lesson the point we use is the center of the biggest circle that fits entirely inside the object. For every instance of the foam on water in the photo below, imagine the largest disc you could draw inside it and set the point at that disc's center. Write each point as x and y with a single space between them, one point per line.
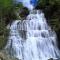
32 39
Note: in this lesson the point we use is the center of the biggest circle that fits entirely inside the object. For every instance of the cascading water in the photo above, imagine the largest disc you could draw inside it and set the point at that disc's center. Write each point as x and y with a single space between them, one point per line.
32 39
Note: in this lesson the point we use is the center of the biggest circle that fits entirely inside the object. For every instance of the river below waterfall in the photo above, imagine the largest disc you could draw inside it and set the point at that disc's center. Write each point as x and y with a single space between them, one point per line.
32 39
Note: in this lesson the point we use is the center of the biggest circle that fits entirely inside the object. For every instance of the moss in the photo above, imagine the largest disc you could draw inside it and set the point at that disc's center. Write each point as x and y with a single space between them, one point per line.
3 34
3 40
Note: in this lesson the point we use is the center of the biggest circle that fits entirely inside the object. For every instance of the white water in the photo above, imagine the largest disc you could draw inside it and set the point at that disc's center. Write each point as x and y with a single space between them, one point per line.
26 3
32 39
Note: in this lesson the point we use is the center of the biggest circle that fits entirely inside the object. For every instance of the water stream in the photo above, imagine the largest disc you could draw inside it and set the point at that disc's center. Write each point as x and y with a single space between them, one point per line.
32 39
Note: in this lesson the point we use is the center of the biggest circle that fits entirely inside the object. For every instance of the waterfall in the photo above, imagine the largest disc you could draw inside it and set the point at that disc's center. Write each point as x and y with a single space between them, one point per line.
32 39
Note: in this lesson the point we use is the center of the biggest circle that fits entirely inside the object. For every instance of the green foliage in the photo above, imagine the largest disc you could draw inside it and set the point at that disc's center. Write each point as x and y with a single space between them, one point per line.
5 3
17 10
48 2
7 15
55 24
52 2
42 3
5 7
52 12
19 6
3 34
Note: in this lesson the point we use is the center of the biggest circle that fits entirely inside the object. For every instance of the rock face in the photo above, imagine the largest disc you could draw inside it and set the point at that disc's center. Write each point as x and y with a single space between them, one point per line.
23 12
5 56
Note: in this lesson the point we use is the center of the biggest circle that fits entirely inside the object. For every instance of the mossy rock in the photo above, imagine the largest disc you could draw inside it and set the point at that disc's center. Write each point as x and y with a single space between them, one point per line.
3 34
22 13
3 38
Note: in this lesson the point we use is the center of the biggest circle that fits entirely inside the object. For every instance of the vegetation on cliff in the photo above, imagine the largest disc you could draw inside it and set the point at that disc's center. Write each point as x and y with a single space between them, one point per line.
51 8
7 15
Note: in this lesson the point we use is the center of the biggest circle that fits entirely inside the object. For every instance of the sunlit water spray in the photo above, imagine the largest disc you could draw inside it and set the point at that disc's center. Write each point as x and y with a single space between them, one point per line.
32 39
30 4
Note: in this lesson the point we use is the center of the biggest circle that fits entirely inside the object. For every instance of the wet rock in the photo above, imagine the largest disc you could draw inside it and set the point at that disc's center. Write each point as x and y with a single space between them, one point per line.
23 12
5 56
